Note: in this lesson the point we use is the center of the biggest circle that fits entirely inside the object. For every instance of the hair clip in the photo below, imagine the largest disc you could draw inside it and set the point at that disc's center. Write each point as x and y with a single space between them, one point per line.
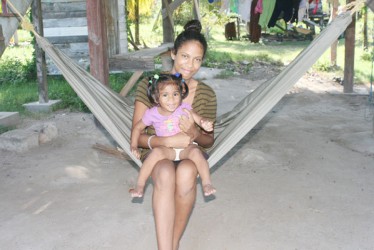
177 75
155 77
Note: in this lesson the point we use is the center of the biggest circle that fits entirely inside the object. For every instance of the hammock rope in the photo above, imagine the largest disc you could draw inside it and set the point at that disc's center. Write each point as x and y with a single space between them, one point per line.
115 112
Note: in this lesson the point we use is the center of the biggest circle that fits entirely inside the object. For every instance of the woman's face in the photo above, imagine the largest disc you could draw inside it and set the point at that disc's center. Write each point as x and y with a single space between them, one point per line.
188 59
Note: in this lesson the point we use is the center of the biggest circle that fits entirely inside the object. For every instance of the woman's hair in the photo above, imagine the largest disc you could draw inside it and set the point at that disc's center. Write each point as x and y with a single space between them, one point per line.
158 82
192 32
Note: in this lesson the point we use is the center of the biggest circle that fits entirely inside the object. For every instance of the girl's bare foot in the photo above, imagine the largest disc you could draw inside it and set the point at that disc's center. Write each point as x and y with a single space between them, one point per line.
137 192
208 189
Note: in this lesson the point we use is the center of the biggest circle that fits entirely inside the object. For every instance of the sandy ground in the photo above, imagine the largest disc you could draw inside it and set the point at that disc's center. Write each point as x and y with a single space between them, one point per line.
303 178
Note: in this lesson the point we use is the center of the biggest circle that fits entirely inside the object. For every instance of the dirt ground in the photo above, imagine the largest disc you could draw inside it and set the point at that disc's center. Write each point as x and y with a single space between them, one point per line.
303 178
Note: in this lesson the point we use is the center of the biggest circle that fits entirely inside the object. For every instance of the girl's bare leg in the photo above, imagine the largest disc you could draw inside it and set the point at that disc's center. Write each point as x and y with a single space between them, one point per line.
193 152
163 202
185 195
157 154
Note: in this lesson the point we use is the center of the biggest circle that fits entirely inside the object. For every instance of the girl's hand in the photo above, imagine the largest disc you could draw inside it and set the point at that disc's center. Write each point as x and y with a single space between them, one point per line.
187 125
207 125
135 152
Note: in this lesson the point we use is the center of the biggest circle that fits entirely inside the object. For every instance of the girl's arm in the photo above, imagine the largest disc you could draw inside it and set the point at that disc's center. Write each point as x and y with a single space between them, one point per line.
137 129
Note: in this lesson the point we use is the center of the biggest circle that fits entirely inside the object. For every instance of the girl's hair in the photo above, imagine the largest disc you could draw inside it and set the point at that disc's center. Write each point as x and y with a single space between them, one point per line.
158 82
192 32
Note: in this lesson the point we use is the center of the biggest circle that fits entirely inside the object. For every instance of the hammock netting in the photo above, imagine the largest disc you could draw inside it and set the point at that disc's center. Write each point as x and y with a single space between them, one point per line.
115 112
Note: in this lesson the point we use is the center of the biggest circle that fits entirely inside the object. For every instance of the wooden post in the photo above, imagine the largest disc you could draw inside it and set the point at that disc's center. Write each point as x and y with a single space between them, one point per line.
196 10
41 66
2 39
111 13
4 7
167 23
97 41
349 55
334 46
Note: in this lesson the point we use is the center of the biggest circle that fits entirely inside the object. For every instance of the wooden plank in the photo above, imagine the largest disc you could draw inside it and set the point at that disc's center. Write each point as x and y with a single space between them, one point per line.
62 1
65 22
64 7
7 15
63 31
64 14
148 53
67 39
125 64
131 82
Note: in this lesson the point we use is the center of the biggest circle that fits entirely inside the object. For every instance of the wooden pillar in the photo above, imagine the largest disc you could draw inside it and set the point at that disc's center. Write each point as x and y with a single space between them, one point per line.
334 46
4 7
41 66
97 40
2 39
111 14
349 55
167 23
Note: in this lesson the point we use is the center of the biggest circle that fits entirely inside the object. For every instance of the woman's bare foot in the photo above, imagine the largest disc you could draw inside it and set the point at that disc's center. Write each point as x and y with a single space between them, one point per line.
137 192
208 189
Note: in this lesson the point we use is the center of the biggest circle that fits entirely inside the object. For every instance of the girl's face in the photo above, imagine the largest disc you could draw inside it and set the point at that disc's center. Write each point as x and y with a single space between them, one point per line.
169 99
188 59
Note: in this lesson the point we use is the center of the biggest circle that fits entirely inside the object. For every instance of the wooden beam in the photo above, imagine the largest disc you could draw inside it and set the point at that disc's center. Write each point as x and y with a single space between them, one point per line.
169 13
41 65
97 41
175 4
131 82
370 3
349 55
2 41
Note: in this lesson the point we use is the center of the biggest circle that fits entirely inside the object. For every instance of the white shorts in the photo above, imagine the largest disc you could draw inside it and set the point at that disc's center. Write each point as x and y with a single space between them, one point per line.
178 151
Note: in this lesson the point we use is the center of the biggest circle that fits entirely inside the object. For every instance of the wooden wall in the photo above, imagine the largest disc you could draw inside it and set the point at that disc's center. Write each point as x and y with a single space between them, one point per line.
65 26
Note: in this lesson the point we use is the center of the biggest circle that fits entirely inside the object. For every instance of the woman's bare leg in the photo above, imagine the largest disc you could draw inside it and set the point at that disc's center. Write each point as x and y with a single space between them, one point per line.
185 195
163 202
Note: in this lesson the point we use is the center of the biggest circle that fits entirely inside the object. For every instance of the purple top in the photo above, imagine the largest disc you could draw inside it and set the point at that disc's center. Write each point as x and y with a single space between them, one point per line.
165 125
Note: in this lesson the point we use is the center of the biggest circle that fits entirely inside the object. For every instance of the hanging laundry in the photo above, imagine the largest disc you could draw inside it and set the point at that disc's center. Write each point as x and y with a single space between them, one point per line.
234 6
258 8
225 6
302 11
284 7
267 11
245 10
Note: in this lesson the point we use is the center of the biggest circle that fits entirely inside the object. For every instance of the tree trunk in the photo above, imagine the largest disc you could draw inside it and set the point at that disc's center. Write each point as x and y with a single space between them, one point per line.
365 29
137 40
349 55
334 46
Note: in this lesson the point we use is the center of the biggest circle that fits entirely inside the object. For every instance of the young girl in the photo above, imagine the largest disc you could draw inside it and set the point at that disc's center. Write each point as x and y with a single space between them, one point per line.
166 92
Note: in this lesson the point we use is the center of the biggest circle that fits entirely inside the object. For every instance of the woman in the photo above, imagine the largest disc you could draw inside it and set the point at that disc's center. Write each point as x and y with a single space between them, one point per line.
174 190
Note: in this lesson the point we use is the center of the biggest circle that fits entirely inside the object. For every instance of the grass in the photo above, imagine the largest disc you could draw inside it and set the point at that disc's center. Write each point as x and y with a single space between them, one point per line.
18 87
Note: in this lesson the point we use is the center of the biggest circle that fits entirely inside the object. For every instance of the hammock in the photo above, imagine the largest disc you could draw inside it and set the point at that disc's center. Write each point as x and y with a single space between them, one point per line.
115 112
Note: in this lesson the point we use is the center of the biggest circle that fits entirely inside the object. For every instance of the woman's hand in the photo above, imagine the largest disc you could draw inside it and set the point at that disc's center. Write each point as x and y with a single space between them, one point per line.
187 125
180 140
